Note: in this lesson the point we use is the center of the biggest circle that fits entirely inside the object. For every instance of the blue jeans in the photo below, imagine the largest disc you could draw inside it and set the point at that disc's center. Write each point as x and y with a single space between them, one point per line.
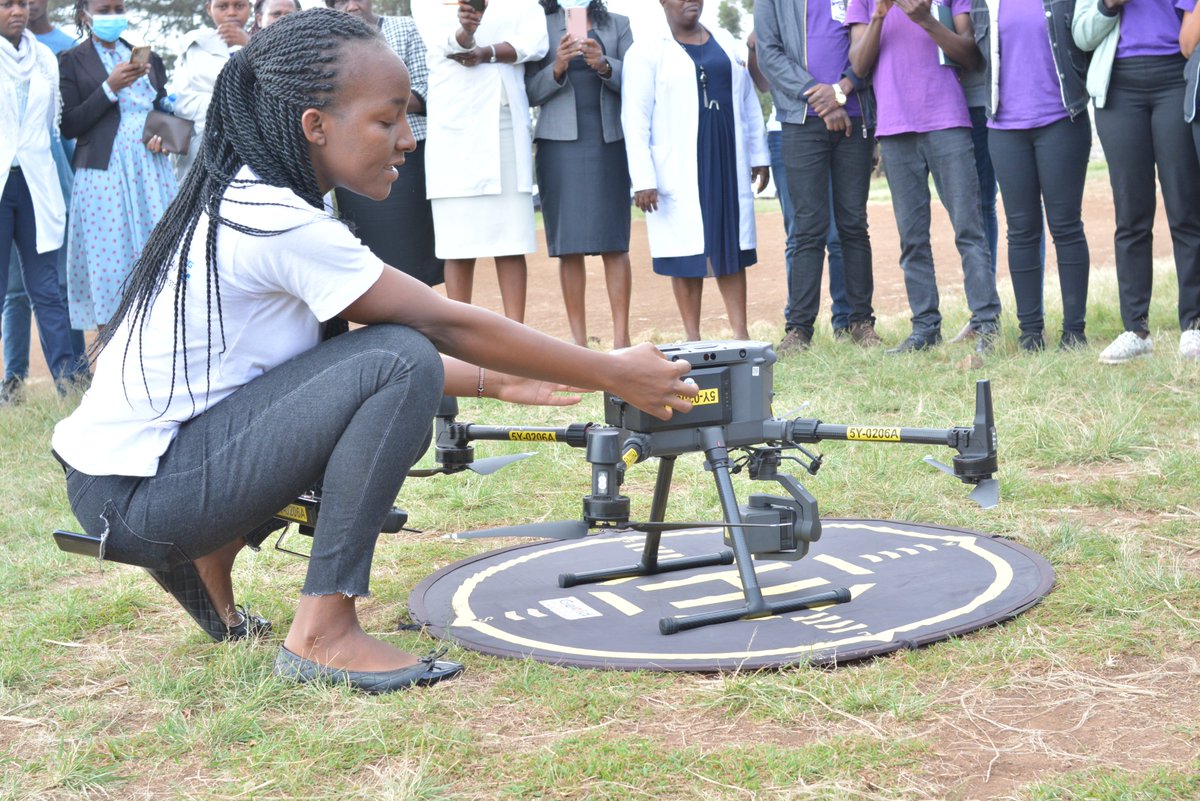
948 155
18 313
837 282
18 226
18 320
987 179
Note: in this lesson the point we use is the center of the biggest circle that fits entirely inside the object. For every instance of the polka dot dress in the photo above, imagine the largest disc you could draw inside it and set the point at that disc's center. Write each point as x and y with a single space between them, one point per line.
114 210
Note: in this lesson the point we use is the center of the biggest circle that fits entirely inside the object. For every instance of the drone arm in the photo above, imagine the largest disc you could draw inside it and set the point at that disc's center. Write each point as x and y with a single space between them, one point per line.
975 460
574 435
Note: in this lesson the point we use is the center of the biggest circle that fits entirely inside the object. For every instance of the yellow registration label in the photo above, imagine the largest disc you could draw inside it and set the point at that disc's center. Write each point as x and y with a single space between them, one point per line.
532 436
630 457
294 511
873 434
706 397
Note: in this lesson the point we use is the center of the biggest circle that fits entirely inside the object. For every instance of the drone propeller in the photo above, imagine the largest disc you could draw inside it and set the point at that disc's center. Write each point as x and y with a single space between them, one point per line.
484 467
578 529
986 492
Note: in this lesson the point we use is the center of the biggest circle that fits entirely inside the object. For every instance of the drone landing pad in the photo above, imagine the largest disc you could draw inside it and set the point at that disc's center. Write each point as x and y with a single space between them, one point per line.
912 584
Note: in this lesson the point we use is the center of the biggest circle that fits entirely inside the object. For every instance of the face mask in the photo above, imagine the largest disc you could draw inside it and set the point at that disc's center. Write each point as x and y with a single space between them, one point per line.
109 27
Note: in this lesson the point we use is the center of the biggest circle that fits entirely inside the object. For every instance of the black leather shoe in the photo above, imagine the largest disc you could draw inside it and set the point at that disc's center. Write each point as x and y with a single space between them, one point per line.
184 584
429 670
917 342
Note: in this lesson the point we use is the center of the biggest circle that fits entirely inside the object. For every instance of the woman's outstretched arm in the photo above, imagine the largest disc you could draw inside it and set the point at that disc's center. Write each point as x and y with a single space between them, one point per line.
641 375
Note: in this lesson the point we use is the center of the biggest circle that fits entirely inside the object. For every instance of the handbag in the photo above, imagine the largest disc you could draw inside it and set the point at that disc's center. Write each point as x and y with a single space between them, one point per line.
176 132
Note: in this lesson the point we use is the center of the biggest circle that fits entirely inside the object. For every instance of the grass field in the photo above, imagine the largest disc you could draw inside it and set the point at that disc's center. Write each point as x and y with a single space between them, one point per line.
107 690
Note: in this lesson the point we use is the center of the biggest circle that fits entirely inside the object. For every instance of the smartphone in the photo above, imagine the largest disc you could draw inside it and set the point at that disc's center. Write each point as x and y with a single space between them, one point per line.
577 23
82 544
140 55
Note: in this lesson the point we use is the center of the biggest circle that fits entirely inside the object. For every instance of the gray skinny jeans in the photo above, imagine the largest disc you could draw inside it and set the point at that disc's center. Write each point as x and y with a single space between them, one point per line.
352 414
908 160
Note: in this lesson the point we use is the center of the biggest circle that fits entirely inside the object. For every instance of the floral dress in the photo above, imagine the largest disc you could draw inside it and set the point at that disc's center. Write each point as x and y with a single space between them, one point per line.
114 210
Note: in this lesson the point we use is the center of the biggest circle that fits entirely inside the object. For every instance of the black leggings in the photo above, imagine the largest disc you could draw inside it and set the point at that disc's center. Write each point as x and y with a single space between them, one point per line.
1046 167
352 414
1141 127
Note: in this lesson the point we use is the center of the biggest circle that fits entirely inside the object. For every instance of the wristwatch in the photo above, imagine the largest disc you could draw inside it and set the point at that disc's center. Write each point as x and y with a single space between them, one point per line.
492 60
839 95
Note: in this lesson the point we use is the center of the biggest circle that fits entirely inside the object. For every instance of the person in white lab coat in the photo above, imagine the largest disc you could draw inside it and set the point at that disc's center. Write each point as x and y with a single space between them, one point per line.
478 155
693 133
205 52
32 211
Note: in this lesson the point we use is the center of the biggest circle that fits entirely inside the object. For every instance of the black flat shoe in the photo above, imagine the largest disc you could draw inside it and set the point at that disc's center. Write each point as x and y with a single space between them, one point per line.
184 584
429 670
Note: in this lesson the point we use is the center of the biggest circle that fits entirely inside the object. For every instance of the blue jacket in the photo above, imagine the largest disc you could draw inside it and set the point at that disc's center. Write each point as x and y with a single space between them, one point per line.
1070 62
1192 73
781 29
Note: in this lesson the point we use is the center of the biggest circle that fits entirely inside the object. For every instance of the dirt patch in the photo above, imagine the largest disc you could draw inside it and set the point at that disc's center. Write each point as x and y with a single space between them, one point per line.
1130 716
653 314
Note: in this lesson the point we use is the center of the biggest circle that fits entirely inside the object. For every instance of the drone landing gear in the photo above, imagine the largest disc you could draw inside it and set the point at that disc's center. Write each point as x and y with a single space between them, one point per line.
717 455
650 564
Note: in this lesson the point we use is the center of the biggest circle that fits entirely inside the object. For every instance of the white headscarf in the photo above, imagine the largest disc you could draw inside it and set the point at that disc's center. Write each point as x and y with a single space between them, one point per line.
18 65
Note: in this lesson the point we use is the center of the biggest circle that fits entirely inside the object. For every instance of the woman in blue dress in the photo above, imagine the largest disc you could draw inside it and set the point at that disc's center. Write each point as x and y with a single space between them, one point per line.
690 90
122 186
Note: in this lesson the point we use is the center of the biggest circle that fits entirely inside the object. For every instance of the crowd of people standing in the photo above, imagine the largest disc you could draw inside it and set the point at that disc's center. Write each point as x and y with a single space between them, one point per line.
557 96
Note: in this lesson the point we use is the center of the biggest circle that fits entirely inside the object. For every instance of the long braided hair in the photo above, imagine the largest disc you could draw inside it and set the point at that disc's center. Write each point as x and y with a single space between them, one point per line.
254 121
597 10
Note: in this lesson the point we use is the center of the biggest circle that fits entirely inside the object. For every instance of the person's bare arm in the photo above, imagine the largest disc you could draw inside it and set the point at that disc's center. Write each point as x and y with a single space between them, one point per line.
958 44
464 380
640 375
760 80
864 40
1189 34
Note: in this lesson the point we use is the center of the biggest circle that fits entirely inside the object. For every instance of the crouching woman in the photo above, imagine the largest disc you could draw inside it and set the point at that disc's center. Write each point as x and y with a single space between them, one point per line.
216 402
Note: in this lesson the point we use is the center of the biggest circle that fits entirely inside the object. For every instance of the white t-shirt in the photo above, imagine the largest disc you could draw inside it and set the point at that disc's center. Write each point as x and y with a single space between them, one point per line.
275 292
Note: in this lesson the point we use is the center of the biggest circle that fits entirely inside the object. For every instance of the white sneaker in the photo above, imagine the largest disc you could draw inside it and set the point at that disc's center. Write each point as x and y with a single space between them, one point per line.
1189 344
1126 347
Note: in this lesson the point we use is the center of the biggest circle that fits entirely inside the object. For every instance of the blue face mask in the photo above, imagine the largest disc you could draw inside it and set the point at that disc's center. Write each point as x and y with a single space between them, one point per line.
109 27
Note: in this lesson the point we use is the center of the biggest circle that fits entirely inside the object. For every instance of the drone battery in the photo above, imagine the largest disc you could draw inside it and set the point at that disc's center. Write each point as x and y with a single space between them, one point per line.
712 406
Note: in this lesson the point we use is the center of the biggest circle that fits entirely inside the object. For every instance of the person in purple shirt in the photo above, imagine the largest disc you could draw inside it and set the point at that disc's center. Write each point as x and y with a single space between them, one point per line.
827 117
1041 133
924 128
1136 80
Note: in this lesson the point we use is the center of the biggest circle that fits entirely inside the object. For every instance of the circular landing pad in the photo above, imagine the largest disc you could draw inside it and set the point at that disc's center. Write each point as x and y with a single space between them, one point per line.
912 584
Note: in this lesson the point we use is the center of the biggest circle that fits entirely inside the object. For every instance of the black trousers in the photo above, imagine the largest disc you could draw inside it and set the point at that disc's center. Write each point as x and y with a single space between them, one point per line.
1141 127
1045 167
813 155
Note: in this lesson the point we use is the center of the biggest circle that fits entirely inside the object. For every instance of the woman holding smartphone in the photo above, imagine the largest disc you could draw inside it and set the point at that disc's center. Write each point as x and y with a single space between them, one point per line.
122 186
479 153
580 144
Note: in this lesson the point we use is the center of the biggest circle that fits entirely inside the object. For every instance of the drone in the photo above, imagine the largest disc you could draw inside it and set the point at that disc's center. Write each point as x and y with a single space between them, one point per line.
731 423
